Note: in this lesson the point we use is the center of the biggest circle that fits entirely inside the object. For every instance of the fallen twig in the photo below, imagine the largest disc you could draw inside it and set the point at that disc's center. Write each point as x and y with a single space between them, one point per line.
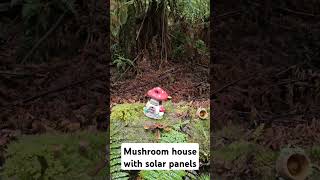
10 73
44 37
290 11
59 89
299 13
230 13
232 83
159 77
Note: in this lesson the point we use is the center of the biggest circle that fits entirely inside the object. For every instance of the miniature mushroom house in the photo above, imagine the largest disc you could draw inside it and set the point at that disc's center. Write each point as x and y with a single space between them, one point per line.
154 108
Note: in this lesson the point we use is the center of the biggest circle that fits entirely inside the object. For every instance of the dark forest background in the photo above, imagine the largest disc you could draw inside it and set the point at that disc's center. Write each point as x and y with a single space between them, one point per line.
264 85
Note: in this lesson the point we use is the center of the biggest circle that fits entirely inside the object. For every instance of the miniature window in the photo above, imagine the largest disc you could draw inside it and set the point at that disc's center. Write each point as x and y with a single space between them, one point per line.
154 102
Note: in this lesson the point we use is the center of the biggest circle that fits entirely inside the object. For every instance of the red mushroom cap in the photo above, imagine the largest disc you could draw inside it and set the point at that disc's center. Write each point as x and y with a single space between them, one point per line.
158 94
162 109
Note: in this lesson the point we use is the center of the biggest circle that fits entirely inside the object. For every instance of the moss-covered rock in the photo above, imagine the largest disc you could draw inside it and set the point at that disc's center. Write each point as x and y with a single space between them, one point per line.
127 112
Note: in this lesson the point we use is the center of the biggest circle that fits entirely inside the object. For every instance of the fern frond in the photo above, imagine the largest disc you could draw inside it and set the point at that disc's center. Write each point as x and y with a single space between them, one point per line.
173 175
115 153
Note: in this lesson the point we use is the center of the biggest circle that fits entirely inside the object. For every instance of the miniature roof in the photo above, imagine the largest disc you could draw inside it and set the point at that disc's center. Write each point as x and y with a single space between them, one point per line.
158 94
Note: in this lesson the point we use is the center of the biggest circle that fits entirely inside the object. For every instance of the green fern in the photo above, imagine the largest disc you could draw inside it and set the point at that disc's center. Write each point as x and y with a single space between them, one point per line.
173 136
192 175
122 63
204 177
172 175
116 139
200 133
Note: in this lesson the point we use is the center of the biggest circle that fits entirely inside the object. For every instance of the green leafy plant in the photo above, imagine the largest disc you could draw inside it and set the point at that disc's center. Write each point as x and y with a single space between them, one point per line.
201 47
194 10
151 175
179 40
65 156
173 136
116 139
204 177
119 14
127 122
131 20
200 133
122 63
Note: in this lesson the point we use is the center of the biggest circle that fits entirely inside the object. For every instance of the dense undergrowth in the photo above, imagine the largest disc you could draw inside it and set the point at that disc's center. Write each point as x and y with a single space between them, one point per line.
161 30
127 125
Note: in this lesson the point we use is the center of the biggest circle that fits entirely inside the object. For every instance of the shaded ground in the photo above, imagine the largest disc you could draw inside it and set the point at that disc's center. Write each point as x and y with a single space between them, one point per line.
65 93
182 81
69 91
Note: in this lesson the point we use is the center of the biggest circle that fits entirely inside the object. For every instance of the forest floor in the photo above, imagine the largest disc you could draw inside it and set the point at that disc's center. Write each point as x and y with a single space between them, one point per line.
264 89
65 93
182 81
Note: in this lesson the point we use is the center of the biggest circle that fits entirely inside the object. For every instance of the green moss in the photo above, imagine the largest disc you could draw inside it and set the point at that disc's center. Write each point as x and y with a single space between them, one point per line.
185 110
127 112
200 133
234 150
55 157
132 133
315 152
231 132
169 106
264 163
